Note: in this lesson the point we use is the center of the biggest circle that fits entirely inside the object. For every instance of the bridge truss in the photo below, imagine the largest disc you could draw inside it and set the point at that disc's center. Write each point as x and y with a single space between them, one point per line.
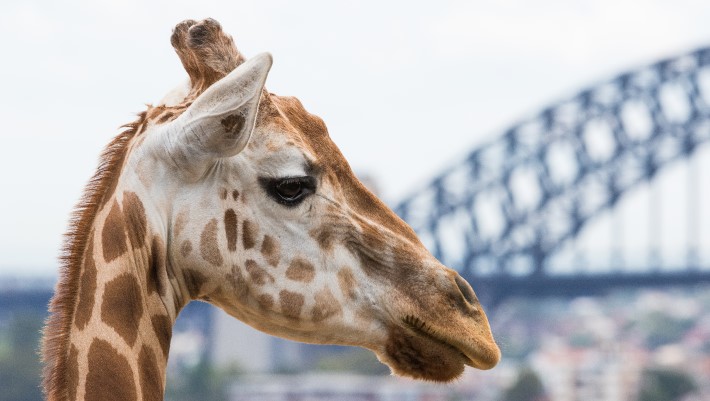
502 213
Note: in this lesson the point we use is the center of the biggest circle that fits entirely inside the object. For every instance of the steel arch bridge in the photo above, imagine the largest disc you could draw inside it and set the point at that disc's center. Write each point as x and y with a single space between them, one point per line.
500 215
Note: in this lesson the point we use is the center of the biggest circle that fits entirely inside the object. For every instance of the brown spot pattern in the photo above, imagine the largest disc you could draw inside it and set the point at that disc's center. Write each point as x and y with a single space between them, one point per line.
109 375
324 235
235 194
163 331
346 280
248 234
291 303
270 250
266 301
87 287
326 305
194 280
180 222
238 282
150 377
113 236
72 372
223 193
94 201
157 266
257 274
185 248
301 270
122 306
209 248
230 229
134 215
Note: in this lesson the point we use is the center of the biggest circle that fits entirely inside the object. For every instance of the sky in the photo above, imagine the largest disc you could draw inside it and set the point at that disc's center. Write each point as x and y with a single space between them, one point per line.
405 88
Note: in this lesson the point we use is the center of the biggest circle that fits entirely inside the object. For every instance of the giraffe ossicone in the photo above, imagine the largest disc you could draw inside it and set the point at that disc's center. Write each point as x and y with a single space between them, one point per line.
233 195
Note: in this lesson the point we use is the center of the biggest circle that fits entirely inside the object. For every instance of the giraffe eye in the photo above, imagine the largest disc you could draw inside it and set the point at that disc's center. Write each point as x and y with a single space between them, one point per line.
289 191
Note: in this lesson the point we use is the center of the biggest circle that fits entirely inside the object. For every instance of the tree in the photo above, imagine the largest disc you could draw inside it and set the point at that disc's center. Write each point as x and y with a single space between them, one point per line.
527 387
665 385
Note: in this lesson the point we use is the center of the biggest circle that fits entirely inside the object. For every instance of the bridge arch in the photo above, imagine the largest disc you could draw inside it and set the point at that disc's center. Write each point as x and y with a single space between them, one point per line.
503 212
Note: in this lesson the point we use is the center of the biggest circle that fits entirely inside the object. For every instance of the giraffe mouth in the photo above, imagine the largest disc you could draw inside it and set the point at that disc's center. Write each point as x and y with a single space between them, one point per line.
417 349
426 331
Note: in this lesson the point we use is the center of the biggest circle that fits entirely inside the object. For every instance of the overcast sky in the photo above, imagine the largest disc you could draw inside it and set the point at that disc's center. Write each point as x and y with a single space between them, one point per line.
405 89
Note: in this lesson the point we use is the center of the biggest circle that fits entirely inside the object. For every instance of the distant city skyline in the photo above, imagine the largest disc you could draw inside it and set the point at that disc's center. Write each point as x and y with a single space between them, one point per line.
405 92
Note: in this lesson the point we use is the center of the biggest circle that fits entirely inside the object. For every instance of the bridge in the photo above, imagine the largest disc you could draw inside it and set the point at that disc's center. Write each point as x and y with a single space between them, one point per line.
505 214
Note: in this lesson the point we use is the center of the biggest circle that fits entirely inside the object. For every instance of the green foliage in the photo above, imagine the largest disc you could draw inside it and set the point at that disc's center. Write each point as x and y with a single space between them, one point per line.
665 385
527 387
662 328
20 369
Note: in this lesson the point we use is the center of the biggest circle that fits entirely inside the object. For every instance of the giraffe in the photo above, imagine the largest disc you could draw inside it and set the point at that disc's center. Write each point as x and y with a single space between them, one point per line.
227 193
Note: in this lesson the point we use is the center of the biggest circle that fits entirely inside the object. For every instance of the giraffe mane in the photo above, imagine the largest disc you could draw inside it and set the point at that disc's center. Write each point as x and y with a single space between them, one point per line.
55 335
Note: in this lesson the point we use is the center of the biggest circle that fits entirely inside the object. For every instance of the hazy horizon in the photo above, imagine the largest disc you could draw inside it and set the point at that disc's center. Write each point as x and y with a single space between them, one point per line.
405 91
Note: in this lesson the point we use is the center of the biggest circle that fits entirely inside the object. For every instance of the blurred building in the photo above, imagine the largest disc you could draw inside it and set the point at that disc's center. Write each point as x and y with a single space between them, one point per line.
608 373
239 345
342 387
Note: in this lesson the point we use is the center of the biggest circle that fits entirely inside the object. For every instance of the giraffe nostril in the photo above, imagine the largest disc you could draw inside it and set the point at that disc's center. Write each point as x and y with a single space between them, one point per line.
466 290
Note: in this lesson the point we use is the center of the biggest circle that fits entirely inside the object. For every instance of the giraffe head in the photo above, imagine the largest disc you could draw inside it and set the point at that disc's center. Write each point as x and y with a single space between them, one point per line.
262 216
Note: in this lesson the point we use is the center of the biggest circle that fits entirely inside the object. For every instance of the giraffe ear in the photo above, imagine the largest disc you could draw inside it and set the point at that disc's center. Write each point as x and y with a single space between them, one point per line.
220 121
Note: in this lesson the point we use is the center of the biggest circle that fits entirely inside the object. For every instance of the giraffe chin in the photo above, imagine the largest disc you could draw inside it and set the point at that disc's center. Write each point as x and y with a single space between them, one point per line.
416 354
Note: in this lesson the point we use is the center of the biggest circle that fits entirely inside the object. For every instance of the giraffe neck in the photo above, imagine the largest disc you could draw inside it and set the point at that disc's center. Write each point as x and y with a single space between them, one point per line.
124 309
